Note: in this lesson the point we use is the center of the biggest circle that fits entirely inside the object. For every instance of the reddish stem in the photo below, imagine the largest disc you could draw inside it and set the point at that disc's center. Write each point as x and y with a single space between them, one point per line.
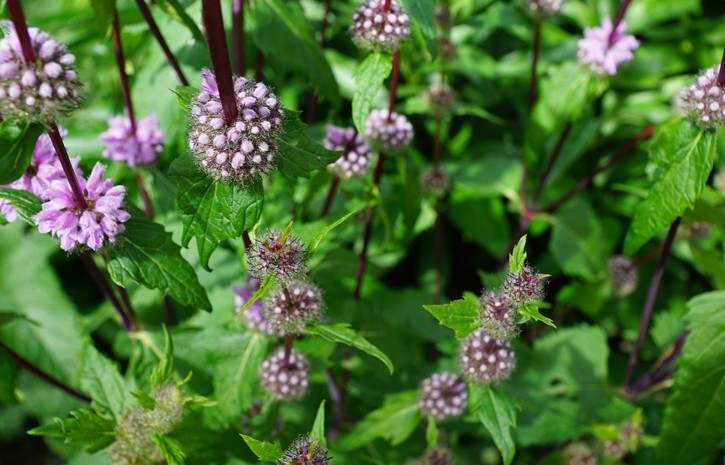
617 21
121 63
721 74
148 207
70 174
211 13
330 196
661 371
21 29
239 51
156 32
169 311
100 280
533 81
394 84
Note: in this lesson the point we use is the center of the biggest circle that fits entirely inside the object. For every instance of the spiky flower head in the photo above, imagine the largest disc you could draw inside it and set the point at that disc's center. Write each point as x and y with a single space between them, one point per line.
623 275
40 91
254 314
578 453
389 134
498 315
484 359
435 181
284 378
378 28
602 55
627 441
244 149
356 154
442 15
443 395
305 451
134 148
435 456
289 309
278 254
168 411
77 227
440 97
544 8
524 287
704 101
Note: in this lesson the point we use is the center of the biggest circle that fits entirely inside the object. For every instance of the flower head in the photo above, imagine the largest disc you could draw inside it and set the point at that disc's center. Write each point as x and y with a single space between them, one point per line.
578 453
244 149
440 97
443 395
435 181
355 158
100 222
602 55
305 451
388 134
524 287
484 359
376 28
290 315
134 148
498 315
544 8
254 314
277 254
284 378
40 91
704 101
623 275
435 456
168 411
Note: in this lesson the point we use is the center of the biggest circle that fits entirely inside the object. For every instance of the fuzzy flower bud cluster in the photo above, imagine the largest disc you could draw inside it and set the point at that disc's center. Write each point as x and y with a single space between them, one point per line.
627 441
436 456
254 314
355 158
623 275
443 395
391 134
498 315
524 287
578 453
544 8
244 149
440 97
39 91
704 101
378 28
435 181
277 254
285 379
135 148
484 359
305 451
289 310
605 56
76 226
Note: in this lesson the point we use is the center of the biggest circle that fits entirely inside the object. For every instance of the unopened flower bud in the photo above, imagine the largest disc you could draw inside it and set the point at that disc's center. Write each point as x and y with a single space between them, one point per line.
378 28
435 181
289 310
440 97
524 287
579 453
443 396
623 275
278 255
305 451
544 8
284 378
484 359
498 315
355 158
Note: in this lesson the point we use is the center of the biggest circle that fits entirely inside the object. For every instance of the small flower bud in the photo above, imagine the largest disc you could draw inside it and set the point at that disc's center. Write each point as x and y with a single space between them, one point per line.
436 456
524 287
485 360
697 231
376 28
305 451
435 181
704 101
392 135
442 15
579 453
443 396
603 56
134 148
498 315
446 49
254 314
623 275
544 8
285 380
355 158
168 409
440 97
278 255
290 316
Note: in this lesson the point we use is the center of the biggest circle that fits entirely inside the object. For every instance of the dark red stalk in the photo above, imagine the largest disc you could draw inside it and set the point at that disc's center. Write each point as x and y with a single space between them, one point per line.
533 81
156 32
211 13
394 84
386 7
438 228
169 311
661 371
239 52
148 207
650 302
121 63
70 174
21 29
100 280
721 74
330 196
552 160
620 16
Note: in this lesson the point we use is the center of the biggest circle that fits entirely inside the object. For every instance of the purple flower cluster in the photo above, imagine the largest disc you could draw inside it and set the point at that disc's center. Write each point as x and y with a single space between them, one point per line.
498 315
623 275
278 255
443 395
544 8
134 148
484 359
388 134
435 456
376 28
605 56
704 101
440 97
524 287
435 181
356 154
305 451
254 314
39 91
290 316
284 378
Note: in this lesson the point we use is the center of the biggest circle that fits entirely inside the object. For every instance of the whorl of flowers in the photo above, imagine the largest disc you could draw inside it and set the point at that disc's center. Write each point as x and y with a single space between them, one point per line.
435 456
704 101
623 275
440 97
376 28
602 55
524 287
498 315
484 359
290 316
244 149
75 226
305 451
544 8
254 314
356 154
435 181
443 395
284 379
134 148
281 255
388 134
40 91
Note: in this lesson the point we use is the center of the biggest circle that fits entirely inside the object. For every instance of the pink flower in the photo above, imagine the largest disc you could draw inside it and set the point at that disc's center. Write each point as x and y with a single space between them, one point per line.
355 158
141 147
602 55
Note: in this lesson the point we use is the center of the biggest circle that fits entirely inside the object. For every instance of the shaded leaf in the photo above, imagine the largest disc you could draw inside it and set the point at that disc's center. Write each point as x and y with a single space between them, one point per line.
531 312
497 412
170 449
318 427
462 316
315 242
576 240
17 142
184 96
84 428
299 155
369 77
175 11
343 333
101 379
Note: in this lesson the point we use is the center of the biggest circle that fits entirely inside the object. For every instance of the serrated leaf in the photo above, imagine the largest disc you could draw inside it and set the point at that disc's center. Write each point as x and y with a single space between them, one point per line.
531 312
213 211
149 257
684 156
184 96
344 334
462 316
175 11
576 240
164 371
24 202
299 155
318 427
422 14
369 77
84 428
497 412
101 379
317 239
265 451
692 428
17 143
517 257
170 449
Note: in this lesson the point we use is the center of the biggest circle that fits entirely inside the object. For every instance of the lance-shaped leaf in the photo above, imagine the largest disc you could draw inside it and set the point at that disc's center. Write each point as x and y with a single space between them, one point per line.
101 379
344 334
17 142
497 412
369 77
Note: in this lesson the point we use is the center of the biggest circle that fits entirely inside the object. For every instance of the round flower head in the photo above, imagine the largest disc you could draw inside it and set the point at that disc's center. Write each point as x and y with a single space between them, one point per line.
285 380
544 8
141 147
40 91
376 28
305 451
440 97
355 158
254 314
435 181
446 48
498 315
443 395
602 55
523 287
442 15
77 227
484 359
435 456
579 453
388 134
277 254
704 101
290 316
623 275
244 149
168 409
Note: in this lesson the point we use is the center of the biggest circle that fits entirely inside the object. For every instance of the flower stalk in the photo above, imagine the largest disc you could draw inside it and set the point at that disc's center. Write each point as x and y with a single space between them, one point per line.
211 13
156 32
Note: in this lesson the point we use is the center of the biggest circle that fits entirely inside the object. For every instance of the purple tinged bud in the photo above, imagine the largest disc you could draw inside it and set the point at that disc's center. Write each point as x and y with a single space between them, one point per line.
623 275
285 258
305 451
304 306
141 147
443 396
285 379
484 359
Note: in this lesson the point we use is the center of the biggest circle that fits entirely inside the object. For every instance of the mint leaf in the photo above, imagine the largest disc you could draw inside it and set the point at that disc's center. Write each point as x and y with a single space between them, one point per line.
462 316
299 155
24 202
184 96
369 77
421 13
517 257
318 427
170 449
577 242
497 412
531 312
84 428
101 379
17 143
163 372
265 451
343 333
317 239
175 11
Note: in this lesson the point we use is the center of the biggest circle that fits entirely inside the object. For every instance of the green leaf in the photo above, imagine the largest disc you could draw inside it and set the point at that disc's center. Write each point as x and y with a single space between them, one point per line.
318 427
265 451
175 11
213 211
317 239
103 11
531 312
299 155
84 428
683 157
497 412
693 427
431 433
517 258
264 288
344 334
577 242
563 96
369 77
163 373
282 31
149 257
422 14
170 449
24 202
101 379
462 316
184 96
395 421
17 142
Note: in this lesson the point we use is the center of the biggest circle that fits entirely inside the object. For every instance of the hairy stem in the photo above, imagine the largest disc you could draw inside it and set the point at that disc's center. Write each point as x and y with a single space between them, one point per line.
239 51
103 285
121 63
533 81
21 29
211 13
156 32
57 140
